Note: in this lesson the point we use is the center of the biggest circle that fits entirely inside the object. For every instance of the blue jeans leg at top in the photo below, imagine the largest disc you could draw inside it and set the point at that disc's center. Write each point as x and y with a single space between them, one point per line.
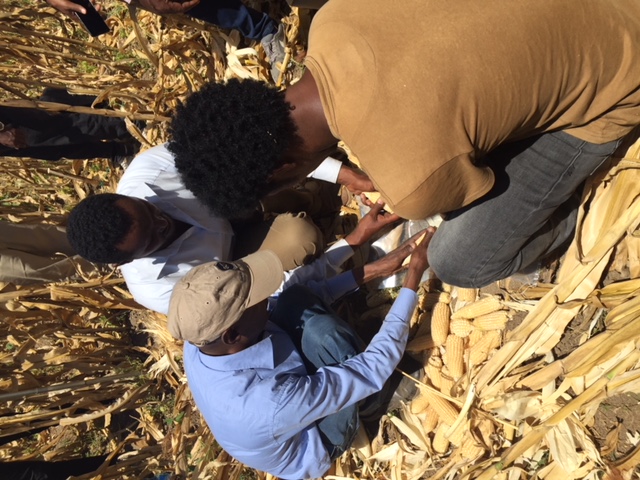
323 339
519 220
234 15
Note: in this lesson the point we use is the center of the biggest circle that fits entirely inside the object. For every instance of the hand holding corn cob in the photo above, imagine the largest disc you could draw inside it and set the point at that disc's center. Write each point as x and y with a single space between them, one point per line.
373 222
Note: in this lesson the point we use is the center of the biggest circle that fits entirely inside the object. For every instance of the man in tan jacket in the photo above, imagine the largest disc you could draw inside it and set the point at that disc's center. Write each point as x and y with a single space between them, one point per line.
493 113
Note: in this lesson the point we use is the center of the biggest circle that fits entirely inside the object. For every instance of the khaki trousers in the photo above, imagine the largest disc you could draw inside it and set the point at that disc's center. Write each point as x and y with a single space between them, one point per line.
37 253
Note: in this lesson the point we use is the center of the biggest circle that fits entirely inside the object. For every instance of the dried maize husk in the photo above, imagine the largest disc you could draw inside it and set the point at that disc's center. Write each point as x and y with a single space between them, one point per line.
440 322
440 442
475 309
486 429
461 328
480 351
455 355
458 434
492 321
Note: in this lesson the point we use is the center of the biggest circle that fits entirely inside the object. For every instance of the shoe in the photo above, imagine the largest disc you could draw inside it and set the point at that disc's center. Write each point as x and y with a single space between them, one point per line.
274 45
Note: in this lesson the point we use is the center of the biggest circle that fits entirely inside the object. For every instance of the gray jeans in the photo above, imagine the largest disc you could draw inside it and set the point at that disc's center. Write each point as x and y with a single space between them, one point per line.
528 213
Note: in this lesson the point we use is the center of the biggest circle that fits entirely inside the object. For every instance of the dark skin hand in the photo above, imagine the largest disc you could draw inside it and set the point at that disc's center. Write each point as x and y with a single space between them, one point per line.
356 181
68 8
13 138
392 262
373 222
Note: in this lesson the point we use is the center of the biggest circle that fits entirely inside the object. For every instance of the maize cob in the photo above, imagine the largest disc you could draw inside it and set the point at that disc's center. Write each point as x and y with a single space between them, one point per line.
446 383
444 297
419 404
431 419
480 351
428 300
468 295
459 433
461 328
455 355
492 321
446 411
420 344
440 322
440 443
434 367
474 337
475 309
470 449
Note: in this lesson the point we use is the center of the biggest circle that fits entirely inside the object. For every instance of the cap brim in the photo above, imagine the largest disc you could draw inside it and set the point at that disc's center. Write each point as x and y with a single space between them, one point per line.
266 275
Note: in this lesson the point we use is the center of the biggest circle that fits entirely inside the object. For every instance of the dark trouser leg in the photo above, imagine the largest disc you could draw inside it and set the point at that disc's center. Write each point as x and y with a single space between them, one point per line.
323 339
518 221
234 15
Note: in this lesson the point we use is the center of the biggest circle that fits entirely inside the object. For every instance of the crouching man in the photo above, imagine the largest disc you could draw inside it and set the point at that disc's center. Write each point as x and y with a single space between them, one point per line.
282 381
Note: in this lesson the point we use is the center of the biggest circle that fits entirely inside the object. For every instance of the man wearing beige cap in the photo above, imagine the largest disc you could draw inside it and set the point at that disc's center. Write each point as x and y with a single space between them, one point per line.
283 382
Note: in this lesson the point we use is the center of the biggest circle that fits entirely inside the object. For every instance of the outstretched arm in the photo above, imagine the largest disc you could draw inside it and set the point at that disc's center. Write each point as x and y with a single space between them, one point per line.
68 7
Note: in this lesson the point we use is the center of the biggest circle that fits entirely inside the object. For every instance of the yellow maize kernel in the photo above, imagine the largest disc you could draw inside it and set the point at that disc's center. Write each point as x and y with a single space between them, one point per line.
444 297
440 443
446 411
467 294
461 328
475 336
481 350
455 355
428 300
480 307
492 321
470 449
440 322
433 370
419 404
431 419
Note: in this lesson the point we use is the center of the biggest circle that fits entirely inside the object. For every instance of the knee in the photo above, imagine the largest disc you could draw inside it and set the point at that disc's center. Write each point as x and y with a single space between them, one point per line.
294 238
455 267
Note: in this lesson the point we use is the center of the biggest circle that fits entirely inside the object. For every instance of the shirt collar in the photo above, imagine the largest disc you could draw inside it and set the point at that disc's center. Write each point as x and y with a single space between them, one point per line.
259 355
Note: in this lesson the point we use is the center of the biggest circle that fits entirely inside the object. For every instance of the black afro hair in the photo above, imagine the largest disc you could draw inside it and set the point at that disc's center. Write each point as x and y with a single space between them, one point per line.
96 225
227 139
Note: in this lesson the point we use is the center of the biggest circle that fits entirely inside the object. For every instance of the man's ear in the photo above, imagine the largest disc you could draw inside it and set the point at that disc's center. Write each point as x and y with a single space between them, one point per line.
230 336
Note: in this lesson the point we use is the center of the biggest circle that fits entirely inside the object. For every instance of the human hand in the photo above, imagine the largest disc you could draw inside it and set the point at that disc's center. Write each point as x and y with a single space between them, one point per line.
13 138
356 181
167 6
394 260
419 259
69 8
373 222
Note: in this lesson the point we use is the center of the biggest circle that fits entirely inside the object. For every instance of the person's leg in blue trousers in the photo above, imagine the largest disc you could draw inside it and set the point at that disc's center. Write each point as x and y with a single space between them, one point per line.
323 339
234 15
519 221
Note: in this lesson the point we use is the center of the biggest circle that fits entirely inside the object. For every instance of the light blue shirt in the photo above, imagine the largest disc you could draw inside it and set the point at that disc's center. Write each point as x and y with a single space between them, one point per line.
262 406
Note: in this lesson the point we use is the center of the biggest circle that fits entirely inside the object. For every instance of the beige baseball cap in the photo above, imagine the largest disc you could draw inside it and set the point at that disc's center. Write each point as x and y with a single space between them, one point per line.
213 296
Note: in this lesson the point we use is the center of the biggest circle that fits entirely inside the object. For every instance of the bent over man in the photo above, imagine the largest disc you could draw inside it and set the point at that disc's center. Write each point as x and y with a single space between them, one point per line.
510 108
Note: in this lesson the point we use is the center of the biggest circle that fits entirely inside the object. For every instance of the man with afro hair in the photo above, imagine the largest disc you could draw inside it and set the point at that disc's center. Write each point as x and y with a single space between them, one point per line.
156 231
494 127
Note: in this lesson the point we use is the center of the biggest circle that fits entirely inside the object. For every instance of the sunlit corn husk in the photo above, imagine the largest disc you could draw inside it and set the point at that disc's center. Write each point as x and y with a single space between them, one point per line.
440 443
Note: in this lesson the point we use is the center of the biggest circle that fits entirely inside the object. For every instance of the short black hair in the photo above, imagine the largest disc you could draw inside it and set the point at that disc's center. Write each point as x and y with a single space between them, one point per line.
96 225
227 139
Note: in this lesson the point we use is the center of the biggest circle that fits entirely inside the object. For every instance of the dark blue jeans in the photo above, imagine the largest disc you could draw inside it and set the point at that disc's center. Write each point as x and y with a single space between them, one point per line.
528 214
322 339
234 15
